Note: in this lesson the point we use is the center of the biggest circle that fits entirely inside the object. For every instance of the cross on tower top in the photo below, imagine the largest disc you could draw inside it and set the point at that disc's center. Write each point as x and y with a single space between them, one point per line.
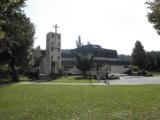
56 27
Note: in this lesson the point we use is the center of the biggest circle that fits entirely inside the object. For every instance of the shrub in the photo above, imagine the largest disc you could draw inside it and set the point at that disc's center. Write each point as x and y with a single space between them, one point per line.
135 68
128 72
33 73
56 75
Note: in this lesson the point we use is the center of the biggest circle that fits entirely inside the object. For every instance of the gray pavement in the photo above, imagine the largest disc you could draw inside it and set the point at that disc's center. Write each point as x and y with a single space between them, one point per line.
124 80
135 80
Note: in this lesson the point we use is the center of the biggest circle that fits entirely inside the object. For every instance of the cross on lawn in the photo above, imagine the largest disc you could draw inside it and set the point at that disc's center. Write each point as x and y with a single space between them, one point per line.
56 27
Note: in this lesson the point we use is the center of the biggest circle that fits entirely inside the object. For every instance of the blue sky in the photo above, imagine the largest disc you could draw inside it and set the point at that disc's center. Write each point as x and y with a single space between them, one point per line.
113 24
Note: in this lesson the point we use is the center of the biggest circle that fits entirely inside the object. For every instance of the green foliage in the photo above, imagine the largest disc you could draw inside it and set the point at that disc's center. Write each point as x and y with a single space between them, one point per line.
103 70
16 33
35 57
73 79
123 57
135 68
5 68
84 62
7 8
33 74
154 15
153 60
139 56
19 37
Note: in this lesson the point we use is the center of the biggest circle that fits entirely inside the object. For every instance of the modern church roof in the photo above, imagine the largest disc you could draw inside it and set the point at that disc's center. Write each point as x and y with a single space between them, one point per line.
95 50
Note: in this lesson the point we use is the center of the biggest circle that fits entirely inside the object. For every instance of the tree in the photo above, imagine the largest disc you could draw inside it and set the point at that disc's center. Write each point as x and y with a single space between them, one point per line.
7 7
153 60
79 42
35 57
138 55
123 57
154 15
84 62
18 34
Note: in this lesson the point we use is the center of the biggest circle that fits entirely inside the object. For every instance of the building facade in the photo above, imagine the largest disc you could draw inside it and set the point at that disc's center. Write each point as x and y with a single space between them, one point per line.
102 57
51 63
56 59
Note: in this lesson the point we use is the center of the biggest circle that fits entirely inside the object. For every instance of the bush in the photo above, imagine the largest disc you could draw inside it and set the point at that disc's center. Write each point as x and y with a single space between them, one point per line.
128 72
56 75
143 73
135 68
33 73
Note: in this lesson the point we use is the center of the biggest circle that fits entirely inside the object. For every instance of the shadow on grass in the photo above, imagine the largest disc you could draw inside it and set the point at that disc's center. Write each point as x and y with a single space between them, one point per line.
45 78
8 82
84 78
79 78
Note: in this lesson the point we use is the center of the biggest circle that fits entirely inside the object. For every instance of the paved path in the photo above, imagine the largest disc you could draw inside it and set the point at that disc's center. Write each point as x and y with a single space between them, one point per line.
130 80
52 83
127 80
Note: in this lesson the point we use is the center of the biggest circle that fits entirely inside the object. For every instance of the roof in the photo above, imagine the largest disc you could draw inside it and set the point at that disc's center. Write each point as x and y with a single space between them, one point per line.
67 53
95 50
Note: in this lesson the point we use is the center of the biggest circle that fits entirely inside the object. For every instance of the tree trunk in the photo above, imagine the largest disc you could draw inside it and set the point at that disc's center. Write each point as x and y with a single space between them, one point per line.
90 77
15 76
84 74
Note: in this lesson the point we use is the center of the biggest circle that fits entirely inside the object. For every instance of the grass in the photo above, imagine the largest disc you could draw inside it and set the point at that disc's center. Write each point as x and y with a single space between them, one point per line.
73 79
155 73
9 79
4 80
70 79
58 102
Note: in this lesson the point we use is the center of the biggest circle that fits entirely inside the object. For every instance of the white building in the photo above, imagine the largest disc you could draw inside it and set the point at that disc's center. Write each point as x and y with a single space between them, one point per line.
51 62
53 52
56 59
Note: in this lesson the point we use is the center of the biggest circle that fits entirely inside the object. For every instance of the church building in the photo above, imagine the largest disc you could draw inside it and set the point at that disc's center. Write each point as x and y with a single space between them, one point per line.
56 59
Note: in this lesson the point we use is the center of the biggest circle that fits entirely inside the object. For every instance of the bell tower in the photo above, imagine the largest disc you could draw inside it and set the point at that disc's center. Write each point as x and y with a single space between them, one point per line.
53 51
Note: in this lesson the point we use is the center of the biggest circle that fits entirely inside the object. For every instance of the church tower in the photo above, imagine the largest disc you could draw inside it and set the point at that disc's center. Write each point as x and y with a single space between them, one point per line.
53 51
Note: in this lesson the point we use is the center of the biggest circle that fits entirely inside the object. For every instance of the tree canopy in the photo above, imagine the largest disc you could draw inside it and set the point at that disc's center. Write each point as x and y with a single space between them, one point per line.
153 60
79 42
138 55
7 8
16 33
154 14
84 62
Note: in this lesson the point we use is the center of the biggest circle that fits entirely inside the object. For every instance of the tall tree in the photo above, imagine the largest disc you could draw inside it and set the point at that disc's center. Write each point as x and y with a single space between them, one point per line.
153 60
154 14
35 57
84 62
17 36
79 42
8 7
138 55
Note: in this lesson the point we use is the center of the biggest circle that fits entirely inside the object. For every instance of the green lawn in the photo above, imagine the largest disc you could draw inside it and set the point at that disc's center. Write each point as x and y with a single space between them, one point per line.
58 102
3 80
155 73
9 79
70 79
73 79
